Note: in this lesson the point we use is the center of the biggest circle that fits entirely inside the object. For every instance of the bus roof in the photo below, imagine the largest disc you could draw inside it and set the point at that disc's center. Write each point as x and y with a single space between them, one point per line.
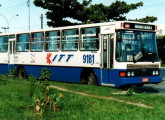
117 23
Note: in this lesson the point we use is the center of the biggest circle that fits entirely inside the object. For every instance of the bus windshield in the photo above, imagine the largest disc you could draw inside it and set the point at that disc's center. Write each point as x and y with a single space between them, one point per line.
136 46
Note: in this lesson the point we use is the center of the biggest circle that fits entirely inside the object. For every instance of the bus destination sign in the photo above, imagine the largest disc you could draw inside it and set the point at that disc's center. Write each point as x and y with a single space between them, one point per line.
139 26
146 27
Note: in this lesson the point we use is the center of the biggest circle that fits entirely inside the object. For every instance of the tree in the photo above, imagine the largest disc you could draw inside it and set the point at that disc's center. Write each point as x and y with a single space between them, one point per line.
115 11
146 19
59 10
85 12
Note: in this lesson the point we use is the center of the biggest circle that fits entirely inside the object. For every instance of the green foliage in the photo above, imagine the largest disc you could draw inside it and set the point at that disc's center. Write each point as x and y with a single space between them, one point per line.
3 79
32 79
58 10
146 19
84 12
44 79
45 75
12 72
129 92
118 9
55 100
43 101
15 102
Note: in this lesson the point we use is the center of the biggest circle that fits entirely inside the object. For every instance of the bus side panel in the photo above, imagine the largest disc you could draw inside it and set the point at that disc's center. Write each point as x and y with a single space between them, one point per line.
98 75
4 69
108 76
3 63
65 74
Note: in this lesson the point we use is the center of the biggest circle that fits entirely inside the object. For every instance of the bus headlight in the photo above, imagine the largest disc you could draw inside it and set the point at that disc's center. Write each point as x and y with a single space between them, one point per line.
157 72
128 74
132 73
153 73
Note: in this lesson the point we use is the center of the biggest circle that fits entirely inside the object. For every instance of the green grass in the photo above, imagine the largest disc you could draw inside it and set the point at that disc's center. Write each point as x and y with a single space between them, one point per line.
14 100
15 104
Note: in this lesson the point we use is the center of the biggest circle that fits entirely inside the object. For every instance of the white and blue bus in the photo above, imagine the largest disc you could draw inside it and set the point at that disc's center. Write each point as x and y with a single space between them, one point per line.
112 54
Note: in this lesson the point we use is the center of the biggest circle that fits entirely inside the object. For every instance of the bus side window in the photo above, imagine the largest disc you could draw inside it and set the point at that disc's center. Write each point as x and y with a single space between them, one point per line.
37 42
52 41
89 39
70 40
3 43
23 42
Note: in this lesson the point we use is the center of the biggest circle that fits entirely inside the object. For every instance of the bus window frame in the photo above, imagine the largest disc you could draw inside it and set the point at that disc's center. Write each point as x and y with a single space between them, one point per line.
62 36
27 42
6 43
46 41
32 42
97 27
9 36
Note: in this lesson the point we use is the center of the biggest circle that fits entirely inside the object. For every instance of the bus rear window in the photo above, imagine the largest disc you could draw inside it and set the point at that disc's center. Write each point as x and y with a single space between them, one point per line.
23 42
37 42
3 43
52 41
89 39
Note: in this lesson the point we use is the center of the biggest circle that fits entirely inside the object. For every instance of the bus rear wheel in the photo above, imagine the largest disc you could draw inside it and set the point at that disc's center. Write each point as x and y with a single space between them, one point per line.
92 79
22 73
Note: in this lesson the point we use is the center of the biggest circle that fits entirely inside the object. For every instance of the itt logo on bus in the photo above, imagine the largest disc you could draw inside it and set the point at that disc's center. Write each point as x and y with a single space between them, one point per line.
57 57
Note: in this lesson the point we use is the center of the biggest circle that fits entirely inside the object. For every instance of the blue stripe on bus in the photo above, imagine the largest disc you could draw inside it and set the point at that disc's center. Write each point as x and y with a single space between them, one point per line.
4 68
72 74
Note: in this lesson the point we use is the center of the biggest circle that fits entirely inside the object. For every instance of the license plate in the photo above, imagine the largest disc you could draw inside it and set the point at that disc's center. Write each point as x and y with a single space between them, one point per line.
145 80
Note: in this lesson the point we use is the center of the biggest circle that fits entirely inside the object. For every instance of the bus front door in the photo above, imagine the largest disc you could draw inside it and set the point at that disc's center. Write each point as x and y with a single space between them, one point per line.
11 51
107 60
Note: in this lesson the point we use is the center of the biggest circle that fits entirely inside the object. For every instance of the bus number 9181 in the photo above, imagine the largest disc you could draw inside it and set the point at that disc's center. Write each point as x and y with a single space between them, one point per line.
88 59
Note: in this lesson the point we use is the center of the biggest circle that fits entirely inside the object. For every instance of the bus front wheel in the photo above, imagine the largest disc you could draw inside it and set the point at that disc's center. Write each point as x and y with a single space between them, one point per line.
22 73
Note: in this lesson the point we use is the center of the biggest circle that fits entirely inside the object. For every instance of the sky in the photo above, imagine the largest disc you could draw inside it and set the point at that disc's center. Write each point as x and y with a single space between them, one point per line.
15 14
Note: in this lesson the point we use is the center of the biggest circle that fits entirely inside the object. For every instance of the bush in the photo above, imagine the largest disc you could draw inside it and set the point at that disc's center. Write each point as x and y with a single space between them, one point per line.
3 79
12 72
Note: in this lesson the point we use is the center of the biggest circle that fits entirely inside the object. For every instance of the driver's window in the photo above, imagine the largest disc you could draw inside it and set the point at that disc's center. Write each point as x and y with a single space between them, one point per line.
147 42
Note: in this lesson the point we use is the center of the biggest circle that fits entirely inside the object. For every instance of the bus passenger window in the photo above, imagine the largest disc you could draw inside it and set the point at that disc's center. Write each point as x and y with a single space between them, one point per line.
22 42
70 40
37 42
52 41
3 43
90 39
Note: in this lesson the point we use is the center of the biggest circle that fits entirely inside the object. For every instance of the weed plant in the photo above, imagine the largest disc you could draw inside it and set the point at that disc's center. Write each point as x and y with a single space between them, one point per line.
43 100
3 79
13 73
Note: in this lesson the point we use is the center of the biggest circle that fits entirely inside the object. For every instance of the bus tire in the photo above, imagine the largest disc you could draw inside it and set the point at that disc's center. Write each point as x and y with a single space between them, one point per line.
22 73
92 79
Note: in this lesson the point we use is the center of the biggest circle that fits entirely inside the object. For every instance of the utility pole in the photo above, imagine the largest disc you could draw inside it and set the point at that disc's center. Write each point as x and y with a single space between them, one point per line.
41 21
28 4
5 28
